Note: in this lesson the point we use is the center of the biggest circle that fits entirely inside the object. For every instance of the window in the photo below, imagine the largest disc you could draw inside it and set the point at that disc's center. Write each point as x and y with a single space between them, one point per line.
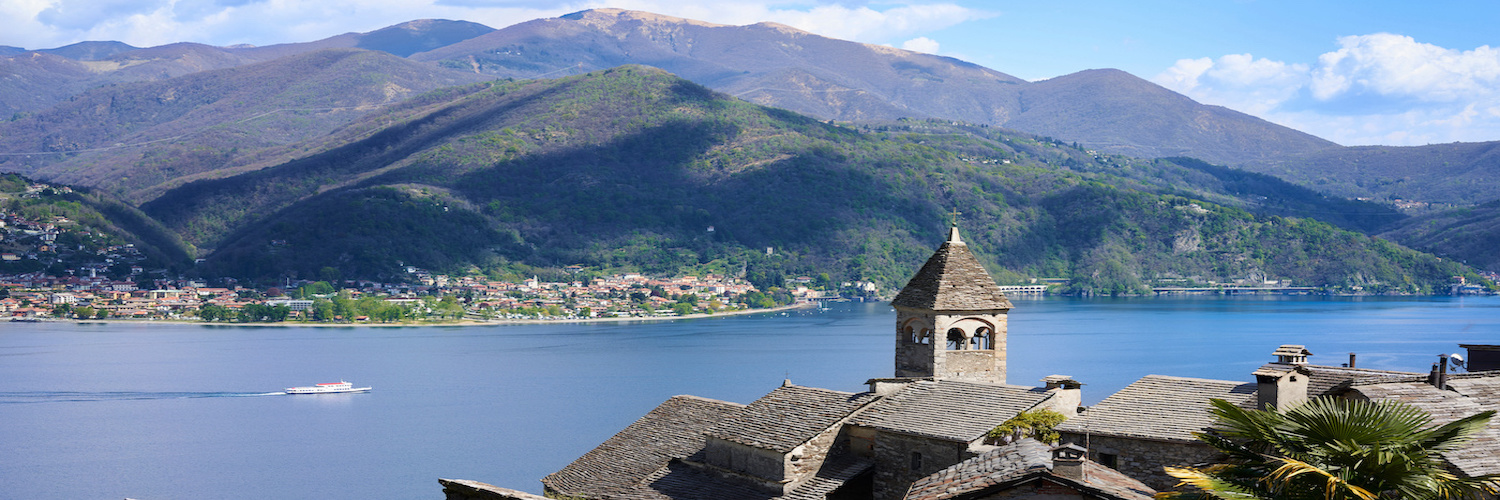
916 461
911 336
1109 460
983 339
956 340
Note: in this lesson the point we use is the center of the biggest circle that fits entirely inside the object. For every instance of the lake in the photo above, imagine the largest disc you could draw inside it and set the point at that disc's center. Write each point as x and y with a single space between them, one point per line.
108 411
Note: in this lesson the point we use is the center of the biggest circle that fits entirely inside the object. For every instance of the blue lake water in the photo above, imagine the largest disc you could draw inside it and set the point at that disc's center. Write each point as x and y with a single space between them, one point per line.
95 411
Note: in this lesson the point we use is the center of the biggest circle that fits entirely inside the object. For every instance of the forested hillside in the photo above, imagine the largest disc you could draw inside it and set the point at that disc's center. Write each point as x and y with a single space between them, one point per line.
131 139
633 168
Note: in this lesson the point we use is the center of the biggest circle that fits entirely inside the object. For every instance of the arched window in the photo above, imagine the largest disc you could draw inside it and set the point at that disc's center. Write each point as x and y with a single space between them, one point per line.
956 340
925 336
984 339
911 335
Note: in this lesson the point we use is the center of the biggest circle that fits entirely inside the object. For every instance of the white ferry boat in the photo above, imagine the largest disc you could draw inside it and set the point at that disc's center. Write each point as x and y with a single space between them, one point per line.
328 388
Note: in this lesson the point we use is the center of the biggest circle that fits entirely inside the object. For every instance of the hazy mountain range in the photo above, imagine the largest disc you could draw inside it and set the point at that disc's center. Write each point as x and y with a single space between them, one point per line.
140 122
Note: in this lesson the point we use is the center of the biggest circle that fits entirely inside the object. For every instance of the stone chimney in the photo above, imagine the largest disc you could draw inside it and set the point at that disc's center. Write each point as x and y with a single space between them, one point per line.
1067 394
1067 461
1283 384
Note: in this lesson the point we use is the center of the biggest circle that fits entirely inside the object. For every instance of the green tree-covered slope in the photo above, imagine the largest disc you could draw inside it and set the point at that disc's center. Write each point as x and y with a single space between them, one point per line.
630 167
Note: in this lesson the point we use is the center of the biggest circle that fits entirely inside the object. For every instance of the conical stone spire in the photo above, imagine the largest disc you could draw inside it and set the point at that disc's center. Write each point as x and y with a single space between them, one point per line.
952 280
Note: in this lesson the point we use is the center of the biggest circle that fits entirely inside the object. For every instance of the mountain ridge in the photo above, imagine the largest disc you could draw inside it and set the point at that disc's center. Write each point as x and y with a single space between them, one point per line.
627 167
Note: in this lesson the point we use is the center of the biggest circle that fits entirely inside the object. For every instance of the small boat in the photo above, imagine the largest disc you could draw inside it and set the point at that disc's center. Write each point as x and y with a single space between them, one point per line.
328 388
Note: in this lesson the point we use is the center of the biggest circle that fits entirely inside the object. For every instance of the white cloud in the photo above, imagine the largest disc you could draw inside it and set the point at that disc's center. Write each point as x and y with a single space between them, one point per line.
1397 65
1375 89
921 44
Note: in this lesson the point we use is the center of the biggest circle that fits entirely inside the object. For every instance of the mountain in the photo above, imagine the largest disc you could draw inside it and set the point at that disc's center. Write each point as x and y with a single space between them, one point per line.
36 81
136 139
401 40
780 66
1460 173
1115 111
90 51
628 168
1469 235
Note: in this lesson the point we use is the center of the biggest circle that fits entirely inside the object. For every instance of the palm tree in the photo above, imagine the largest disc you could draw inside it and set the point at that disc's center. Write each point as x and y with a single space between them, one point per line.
1333 449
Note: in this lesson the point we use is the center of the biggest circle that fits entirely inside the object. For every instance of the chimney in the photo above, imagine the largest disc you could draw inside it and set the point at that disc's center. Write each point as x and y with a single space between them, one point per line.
1290 354
1067 394
1351 360
1067 461
1283 384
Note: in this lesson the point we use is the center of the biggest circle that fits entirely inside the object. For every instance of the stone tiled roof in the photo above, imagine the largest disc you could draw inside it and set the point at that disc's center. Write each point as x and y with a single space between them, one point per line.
788 417
1014 463
1158 407
680 481
949 409
952 280
672 430
1332 380
1471 396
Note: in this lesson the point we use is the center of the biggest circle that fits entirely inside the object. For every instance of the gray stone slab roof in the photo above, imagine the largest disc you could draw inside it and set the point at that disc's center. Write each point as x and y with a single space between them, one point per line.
672 430
1332 380
788 417
1008 465
952 280
1481 456
949 409
680 481
1158 407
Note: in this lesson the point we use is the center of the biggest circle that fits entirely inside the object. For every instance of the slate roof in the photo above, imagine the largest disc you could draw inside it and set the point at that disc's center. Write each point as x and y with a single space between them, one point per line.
672 430
952 280
1013 464
949 409
680 481
788 417
1159 407
1470 396
1332 380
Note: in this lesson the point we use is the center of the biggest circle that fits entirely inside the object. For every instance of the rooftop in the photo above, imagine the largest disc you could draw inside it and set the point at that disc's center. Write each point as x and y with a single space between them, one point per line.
1159 407
672 430
1013 463
788 417
950 409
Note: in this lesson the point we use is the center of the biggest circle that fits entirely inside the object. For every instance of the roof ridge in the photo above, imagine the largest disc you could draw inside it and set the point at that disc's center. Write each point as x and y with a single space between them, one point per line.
1193 379
701 398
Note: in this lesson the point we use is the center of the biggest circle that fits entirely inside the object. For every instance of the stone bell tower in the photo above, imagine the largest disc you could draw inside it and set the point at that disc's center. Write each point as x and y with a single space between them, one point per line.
951 319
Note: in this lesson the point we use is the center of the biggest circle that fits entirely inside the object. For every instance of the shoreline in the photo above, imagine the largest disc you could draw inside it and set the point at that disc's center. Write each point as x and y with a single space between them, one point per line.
462 322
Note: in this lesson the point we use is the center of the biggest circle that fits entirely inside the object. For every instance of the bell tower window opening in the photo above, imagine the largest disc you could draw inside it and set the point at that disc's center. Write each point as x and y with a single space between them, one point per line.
957 341
984 339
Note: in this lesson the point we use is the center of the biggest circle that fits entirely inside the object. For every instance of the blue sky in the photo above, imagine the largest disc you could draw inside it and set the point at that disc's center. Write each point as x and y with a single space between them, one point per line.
1370 72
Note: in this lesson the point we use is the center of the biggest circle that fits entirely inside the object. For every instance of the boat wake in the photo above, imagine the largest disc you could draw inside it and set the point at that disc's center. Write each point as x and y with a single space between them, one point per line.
72 397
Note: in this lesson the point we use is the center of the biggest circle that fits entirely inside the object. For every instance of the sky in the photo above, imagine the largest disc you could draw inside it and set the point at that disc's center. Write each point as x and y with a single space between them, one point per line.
1370 72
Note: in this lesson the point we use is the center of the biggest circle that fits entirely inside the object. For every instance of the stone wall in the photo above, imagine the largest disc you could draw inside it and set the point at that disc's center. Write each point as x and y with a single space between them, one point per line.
1143 459
893 461
765 465
460 489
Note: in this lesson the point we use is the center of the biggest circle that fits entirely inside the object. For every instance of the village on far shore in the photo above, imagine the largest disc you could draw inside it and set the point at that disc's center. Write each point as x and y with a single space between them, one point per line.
428 298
